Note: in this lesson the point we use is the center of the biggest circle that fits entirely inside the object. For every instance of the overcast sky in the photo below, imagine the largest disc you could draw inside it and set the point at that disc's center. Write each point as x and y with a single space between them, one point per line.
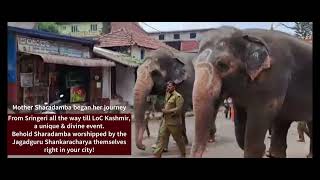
171 26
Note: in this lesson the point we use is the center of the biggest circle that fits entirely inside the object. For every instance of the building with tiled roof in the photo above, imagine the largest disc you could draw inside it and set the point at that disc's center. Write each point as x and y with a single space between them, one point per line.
130 38
127 44
133 26
182 40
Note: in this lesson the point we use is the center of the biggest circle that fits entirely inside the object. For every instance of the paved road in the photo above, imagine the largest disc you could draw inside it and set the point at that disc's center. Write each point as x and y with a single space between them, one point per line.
226 145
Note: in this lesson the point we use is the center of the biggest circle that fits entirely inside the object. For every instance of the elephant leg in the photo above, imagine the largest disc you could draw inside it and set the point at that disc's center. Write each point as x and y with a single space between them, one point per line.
306 130
147 126
270 131
240 125
212 126
260 115
278 144
301 129
259 118
310 155
212 131
147 129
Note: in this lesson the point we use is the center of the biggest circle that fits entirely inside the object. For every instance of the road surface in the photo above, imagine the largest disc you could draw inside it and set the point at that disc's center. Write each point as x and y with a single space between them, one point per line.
225 145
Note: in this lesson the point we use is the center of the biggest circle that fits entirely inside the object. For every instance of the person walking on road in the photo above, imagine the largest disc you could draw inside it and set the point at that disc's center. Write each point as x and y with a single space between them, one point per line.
172 113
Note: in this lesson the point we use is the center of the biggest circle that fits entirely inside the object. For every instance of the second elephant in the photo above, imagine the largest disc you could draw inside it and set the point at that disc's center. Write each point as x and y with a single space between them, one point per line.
159 67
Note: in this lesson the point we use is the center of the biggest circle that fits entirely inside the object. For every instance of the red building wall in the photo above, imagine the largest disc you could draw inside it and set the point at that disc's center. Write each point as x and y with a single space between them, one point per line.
189 45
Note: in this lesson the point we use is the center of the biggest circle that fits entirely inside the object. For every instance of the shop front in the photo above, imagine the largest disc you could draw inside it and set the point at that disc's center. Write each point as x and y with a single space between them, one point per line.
46 68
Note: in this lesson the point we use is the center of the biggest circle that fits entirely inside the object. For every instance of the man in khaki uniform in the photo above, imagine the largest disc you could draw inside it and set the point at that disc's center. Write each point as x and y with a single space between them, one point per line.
172 121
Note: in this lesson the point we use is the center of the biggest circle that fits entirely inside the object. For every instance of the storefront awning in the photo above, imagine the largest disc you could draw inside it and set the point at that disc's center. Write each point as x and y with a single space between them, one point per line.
73 61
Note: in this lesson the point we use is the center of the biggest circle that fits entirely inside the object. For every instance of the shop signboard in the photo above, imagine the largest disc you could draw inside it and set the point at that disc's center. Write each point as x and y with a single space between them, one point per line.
26 79
36 45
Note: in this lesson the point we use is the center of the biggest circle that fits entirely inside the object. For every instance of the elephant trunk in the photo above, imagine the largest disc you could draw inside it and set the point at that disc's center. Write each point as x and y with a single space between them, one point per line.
206 92
142 89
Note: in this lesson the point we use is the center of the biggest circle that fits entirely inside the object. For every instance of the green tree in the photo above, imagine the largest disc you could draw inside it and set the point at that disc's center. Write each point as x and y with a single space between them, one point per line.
302 29
48 27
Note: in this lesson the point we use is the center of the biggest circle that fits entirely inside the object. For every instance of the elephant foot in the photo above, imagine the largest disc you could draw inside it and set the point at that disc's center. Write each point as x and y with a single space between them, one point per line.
156 155
196 155
254 153
141 147
310 155
269 155
276 154
182 156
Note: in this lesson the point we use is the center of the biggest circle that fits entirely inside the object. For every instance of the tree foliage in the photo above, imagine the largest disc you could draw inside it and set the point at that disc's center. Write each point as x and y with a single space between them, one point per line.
302 29
48 27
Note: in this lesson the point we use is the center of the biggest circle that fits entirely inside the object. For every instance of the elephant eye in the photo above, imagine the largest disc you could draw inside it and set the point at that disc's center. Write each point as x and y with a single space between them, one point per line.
221 44
222 66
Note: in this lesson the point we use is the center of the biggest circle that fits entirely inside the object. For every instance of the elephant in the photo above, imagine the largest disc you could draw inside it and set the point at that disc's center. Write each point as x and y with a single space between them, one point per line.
159 67
268 75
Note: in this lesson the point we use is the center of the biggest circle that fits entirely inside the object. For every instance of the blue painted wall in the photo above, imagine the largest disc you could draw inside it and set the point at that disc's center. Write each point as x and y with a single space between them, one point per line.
12 58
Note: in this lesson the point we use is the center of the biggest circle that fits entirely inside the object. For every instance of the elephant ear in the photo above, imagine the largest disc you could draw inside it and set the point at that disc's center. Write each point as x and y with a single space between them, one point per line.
257 56
178 71
172 63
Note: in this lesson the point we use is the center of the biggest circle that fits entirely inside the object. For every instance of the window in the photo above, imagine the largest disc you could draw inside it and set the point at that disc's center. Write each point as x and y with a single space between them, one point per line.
161 37
93 27
176 36
193 35
74 28
142 54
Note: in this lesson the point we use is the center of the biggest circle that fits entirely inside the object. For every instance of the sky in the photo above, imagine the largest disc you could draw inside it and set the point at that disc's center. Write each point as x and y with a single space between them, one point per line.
171 26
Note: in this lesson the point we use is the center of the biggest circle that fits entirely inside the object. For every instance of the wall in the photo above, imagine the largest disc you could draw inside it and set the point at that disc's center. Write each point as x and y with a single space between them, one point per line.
183 36
189 45
136 52
106 82
125 82
84 29
95 91
12 68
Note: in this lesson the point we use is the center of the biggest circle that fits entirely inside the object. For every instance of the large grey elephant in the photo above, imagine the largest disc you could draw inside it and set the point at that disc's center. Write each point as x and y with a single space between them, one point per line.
268 74
159 67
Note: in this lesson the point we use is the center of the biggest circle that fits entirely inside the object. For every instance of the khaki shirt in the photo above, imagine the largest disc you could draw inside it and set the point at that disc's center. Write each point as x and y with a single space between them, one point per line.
173 103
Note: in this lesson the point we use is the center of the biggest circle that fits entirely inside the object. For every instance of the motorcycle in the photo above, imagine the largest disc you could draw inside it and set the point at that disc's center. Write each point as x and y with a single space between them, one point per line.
57 102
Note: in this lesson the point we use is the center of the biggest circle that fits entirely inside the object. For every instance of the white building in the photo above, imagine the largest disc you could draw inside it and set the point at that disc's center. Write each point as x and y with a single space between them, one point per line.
186 40
121 77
